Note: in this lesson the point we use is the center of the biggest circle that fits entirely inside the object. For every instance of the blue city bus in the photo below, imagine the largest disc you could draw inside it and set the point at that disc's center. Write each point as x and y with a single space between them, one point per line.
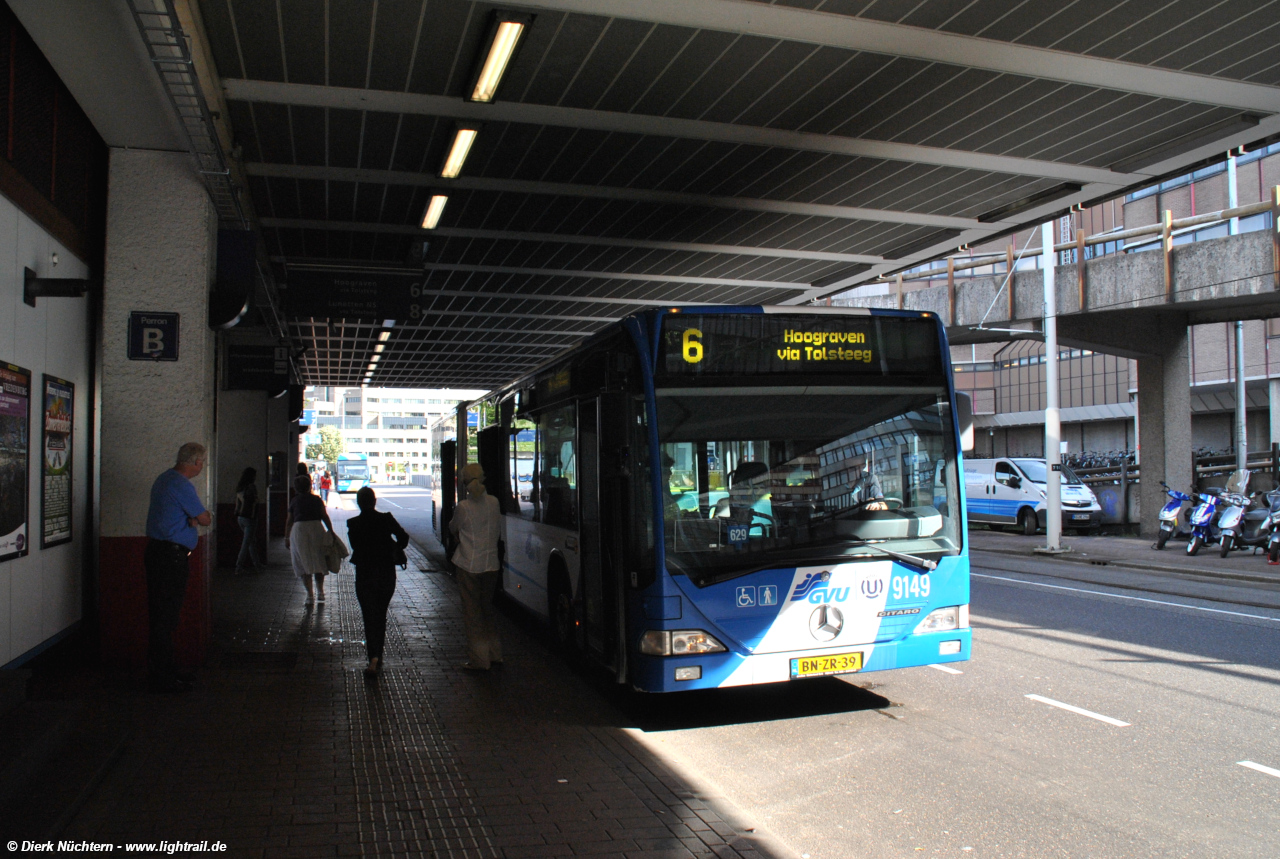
723 496
351 472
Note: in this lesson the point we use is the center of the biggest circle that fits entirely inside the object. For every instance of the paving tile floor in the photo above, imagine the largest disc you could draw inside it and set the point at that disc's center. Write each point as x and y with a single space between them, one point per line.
285 750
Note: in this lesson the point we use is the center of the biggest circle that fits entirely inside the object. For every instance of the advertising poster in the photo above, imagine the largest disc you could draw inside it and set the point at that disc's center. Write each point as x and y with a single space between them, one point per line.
15 449
55 472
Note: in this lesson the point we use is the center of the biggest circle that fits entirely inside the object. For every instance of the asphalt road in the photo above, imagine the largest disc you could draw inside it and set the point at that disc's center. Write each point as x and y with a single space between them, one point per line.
1171 691
411 505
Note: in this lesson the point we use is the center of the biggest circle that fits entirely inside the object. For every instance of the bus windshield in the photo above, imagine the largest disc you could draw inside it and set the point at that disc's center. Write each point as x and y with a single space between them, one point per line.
784 475
347 470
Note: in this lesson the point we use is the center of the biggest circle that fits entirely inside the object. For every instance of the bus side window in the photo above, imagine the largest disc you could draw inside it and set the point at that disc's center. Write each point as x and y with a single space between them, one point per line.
557 467
514 474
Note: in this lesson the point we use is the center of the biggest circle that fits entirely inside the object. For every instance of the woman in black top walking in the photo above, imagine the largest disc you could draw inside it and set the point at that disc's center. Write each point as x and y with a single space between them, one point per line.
247 516
374 537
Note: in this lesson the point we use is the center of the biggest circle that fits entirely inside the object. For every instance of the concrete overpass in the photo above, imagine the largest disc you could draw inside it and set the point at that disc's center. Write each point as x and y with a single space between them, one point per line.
1136 305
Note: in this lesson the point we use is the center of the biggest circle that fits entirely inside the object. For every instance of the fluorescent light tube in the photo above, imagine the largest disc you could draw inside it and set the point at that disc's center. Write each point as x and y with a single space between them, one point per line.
500 50
458 153
434 210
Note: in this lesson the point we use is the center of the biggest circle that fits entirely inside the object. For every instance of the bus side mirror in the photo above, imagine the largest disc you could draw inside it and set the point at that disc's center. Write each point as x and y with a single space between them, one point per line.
964 417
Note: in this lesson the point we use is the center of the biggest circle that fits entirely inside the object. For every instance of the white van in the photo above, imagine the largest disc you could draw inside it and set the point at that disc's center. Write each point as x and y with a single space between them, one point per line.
1011 492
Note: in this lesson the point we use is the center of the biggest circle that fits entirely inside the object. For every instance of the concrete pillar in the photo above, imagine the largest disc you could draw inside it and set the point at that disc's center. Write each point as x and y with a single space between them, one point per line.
161 243
1273 398
1164 407
282 443
242 443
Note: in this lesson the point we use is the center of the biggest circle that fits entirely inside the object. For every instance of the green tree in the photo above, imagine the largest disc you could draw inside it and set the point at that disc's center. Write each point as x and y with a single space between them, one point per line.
331 445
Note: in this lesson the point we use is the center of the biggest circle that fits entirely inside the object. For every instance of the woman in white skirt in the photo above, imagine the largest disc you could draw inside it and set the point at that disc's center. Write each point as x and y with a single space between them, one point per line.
304 529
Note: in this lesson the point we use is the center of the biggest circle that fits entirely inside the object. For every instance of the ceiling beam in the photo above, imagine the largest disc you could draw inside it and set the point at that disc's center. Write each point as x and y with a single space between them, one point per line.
614 275
880 37
528 296
386 101
639 195
428 312
407 327
566 238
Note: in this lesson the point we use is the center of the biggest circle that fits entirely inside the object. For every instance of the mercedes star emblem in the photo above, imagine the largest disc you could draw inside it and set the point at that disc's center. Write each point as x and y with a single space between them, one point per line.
826 622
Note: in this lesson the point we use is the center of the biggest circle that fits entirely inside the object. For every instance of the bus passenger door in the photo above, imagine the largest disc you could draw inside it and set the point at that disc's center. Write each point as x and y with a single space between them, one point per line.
589 492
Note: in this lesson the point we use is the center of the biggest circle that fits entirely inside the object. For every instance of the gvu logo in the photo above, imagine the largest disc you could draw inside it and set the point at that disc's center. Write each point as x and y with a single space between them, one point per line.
872 588
810 581
817 596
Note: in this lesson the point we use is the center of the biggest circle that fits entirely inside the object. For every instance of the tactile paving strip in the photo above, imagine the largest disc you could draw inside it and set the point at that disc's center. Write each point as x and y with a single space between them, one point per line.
411 795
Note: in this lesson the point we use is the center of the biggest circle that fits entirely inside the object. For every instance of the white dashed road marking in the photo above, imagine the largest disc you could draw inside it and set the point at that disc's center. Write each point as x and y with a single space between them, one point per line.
1260 768
1123 597
947 668
1079 711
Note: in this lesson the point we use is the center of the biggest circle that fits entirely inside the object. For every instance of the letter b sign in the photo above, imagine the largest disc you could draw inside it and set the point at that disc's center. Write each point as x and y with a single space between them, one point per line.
153 336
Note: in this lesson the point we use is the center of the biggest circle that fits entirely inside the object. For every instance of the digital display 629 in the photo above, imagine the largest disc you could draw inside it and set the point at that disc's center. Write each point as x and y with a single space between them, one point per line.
756 344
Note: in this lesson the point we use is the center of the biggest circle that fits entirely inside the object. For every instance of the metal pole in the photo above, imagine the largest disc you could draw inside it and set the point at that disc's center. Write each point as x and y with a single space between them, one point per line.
1052 415
1242 436
1233 225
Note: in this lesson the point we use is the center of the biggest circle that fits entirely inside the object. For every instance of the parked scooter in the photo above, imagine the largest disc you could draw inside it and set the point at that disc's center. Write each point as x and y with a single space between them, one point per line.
1204 520
1261 523
1234 520
1273 527
1169 515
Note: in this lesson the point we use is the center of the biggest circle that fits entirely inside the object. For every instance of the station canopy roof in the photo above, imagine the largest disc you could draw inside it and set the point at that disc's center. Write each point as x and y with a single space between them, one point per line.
649 152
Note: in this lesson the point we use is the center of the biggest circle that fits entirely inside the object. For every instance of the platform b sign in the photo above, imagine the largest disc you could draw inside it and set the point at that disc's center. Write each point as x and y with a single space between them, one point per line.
153 336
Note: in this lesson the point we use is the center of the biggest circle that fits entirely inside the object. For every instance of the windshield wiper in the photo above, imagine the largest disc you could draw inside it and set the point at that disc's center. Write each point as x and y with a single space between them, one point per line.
922 563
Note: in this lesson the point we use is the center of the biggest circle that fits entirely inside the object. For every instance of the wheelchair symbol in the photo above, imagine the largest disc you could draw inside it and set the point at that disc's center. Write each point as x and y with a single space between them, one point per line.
746 597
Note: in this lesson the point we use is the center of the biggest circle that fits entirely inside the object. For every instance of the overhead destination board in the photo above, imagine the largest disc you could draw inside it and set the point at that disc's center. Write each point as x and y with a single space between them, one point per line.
327 294
736 345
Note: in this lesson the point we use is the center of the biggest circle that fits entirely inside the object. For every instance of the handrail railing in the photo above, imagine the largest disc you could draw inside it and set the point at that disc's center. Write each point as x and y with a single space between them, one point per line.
1168 226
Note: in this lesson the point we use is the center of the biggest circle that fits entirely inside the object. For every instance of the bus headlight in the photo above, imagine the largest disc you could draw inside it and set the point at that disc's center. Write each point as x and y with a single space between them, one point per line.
679 642
940 619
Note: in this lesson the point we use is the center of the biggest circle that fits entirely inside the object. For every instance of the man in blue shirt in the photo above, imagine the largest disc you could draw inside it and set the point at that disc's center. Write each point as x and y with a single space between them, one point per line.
172 518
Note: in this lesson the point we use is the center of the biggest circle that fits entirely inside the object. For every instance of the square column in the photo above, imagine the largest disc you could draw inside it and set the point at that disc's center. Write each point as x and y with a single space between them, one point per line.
1164 415
160 257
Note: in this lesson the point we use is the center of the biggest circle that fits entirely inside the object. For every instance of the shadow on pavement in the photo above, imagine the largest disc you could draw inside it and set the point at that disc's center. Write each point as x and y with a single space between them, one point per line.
743 705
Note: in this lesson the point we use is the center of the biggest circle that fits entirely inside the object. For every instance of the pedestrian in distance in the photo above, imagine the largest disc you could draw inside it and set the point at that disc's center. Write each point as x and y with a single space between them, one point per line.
304 533
375 538
326 483
477 523
174 514
247 515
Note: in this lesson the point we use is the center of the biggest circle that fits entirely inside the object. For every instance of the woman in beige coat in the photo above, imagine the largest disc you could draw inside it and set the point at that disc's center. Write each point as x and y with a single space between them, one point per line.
477 523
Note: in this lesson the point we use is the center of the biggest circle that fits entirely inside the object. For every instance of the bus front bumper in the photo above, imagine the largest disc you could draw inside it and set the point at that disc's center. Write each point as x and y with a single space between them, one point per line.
718 670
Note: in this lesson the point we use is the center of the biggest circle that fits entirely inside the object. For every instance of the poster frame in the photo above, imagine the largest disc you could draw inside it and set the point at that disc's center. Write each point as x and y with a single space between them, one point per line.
26 468
44 462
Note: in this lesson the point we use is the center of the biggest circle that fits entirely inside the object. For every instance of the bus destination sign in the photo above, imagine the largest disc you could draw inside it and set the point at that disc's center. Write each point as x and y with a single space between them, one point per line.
714 345
798 345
